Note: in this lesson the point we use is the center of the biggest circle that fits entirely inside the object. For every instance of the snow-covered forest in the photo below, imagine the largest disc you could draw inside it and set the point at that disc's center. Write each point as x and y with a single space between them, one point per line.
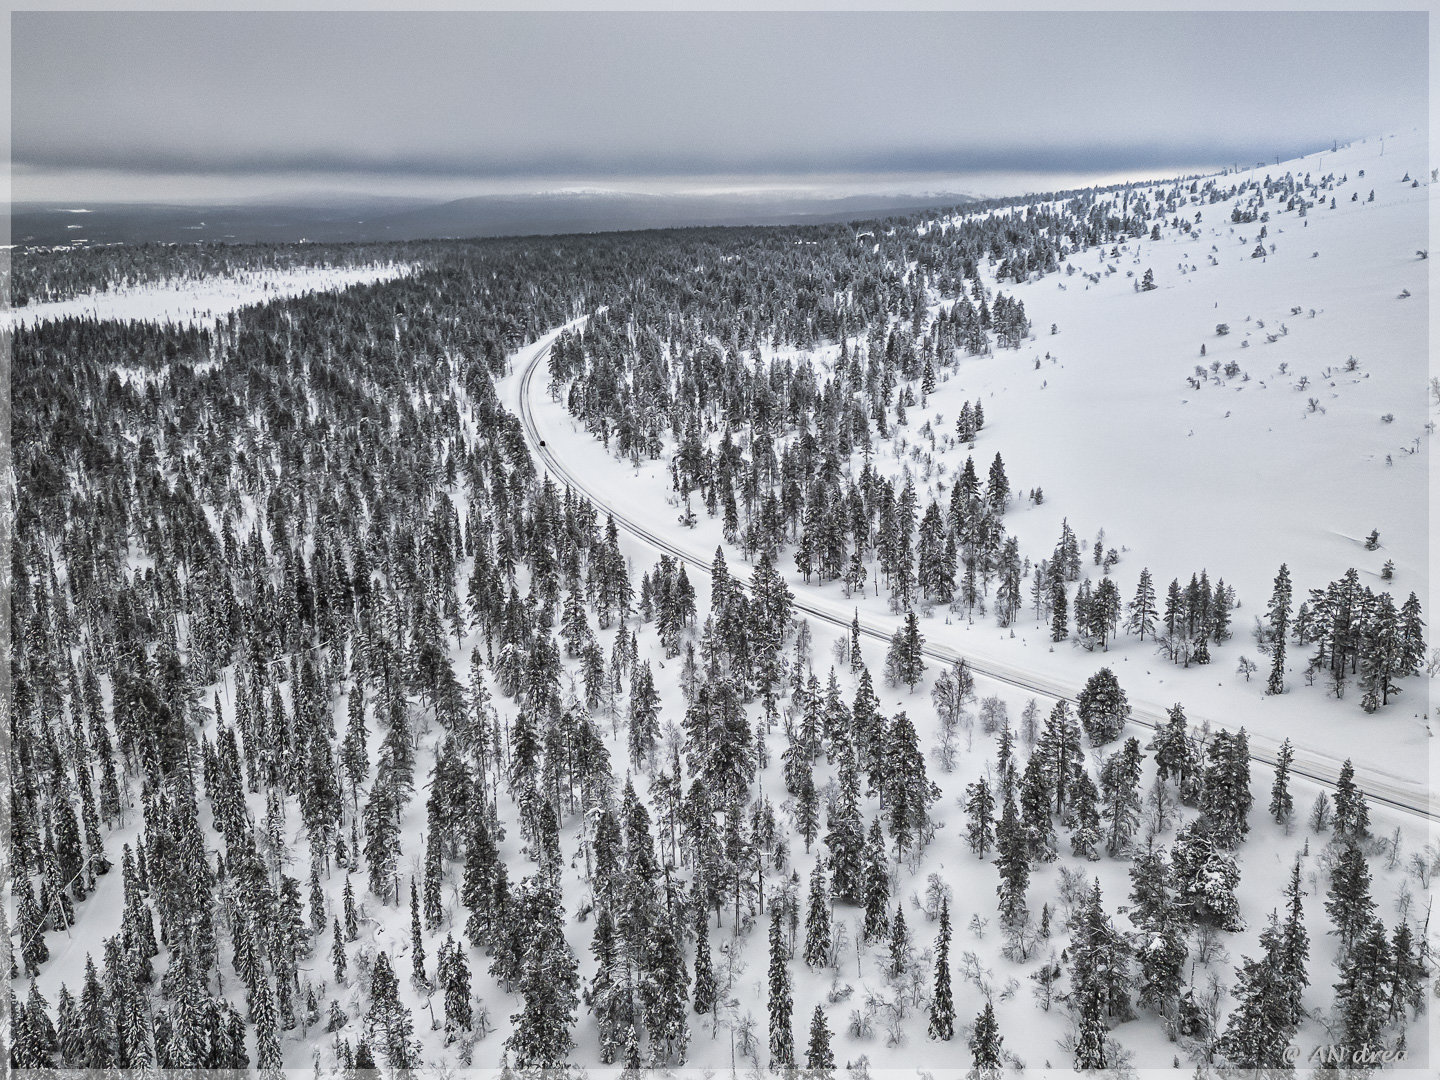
956 643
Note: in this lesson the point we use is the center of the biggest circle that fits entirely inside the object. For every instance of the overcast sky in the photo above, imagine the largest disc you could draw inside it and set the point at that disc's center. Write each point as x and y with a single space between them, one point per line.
209 106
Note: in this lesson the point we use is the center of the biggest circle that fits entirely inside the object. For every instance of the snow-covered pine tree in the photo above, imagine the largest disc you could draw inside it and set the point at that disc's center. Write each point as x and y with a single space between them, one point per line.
453 974
942 1000
1120 793
1093 1050
1260 1029
907 792
1350 906
664 993
1352 816
819 1058
1407 973
1083 816
1205 878
1099 960
817 919
1282 804
267 1035
1361 1006
877 885
1278 616
1012 862
644 716
548 980
845 837
1175 755
1142 610
899 944
782 1041
986 1047
1060 752
704 998
417 939
610 995
337 954
1102 707
1159 944
1225 794
382 837
1294 948
980 810
1060 618
905 662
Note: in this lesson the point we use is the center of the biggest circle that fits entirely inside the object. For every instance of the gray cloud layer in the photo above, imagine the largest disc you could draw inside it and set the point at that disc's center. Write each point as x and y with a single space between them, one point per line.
622 95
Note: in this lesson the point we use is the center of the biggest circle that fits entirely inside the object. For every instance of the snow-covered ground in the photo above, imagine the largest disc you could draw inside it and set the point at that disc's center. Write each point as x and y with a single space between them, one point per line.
1234 478
204 302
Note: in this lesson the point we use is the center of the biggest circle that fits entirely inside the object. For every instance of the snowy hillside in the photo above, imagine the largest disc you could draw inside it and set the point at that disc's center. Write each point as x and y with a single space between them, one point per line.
1234 473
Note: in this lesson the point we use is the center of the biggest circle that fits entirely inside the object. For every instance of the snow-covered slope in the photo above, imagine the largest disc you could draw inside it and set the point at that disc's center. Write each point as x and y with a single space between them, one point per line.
1235 472
203 302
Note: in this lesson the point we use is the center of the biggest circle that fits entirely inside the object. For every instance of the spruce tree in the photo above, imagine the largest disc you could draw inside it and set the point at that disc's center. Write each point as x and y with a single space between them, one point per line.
1120 777
980 809
1349 905
388 1020
899 943
846 835
453 973
417 940
704 998
267 1036
1282 804
1260 1029
1205 878
1360 995
1295 948
1083 816
1407 973
382 837
1092 1040
611 993
548 979
986 1047
819 1058
664 990
1060 617
782 1042
352 917
337 954
817 920
1099 960
877 885
1159 944
1352 817
1225 795
644 716
1102 707
1278 615
1013 864
1142 607
942 1001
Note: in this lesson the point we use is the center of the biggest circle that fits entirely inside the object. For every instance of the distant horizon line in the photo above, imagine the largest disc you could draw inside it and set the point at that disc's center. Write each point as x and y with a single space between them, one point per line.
116 189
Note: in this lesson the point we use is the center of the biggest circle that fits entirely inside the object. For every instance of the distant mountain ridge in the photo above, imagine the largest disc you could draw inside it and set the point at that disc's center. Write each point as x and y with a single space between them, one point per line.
377 219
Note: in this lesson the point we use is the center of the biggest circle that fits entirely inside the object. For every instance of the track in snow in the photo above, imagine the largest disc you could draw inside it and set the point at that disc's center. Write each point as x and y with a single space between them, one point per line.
1319 769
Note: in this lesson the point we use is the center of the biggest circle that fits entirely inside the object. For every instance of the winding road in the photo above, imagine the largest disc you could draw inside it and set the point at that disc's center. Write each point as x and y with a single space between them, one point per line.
1378 789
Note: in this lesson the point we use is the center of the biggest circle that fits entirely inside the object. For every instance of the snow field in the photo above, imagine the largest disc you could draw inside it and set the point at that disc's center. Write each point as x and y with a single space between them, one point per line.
204 302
